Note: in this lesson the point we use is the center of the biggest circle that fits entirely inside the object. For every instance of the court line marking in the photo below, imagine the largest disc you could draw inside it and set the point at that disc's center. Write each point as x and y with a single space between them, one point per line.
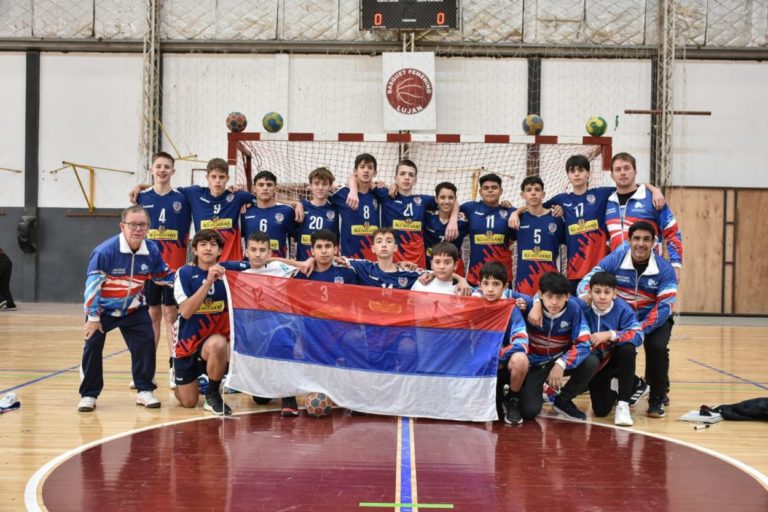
54 374
718 370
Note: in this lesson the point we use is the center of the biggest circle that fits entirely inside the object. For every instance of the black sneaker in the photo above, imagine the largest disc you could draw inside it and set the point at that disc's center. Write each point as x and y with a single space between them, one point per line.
666 400
656 407
289 407
641 389
261 400
215 404
512 415
568 409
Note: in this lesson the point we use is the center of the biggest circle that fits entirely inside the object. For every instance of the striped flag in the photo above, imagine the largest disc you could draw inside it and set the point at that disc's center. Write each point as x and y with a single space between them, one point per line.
373 350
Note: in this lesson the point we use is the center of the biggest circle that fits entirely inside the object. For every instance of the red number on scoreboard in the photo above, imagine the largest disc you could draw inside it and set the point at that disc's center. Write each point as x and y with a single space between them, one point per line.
377 19
440 18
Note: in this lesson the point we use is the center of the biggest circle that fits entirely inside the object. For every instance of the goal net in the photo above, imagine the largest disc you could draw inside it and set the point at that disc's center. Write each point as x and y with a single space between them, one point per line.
461 160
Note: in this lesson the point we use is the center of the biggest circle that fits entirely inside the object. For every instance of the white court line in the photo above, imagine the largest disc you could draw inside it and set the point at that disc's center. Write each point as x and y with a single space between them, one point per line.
32 504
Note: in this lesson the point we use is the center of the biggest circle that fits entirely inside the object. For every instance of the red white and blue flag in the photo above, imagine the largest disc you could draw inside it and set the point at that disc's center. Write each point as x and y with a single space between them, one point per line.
374 350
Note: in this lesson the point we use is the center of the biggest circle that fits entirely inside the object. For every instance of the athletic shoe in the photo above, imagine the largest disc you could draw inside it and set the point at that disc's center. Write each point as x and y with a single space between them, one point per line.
289 407
3 303
147 399
261 400
9 403
666 400
512 416
641 389
87 404
171 378
202 383
568 409
215 404
622 416
656 407
6 308
548 394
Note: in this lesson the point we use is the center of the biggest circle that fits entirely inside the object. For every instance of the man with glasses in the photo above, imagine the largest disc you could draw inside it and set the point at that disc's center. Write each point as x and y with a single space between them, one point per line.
114 298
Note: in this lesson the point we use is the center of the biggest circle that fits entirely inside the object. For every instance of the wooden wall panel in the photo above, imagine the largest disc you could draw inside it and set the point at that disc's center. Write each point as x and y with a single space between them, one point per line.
751 253
700 213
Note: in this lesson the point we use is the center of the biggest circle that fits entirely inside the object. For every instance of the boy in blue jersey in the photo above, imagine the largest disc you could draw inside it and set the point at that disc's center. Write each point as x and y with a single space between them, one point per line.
319 212
202 332
616 334
385 273
114 298
436 223
489 235
513 362
559 345
358 222
539 238
267 216
648 284
405 213
169 220
325 248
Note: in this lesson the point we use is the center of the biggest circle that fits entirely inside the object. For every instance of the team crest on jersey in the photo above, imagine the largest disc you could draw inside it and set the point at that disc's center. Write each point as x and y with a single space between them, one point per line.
338 280
638 206
402 281
591 198
144 267
230 198
330 214
417 200
503 214
552 227
564 324
652 282
279 217
177 206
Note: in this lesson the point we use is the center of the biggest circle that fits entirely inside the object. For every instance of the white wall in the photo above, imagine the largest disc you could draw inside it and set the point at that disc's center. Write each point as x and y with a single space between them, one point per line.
12 97
730 147
90 108
575 90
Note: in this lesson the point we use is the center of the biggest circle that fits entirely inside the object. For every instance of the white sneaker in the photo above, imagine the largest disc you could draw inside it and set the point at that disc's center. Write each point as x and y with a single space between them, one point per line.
87 404
147 399
171 378
623 417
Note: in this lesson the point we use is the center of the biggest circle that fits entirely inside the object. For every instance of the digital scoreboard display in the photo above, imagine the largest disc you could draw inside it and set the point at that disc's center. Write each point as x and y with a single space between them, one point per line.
409 14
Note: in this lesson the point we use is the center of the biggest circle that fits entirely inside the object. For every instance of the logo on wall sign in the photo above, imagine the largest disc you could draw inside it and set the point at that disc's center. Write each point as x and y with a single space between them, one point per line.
409 91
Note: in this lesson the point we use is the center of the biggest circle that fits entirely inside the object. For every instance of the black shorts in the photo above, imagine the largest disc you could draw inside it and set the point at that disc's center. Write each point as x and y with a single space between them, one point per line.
188 369
157 294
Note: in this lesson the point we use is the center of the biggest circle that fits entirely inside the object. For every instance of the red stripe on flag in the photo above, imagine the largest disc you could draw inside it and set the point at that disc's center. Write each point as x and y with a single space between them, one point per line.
366 305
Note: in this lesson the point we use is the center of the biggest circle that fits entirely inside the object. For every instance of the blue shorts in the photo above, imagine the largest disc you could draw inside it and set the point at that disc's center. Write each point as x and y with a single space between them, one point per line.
157 294
188 369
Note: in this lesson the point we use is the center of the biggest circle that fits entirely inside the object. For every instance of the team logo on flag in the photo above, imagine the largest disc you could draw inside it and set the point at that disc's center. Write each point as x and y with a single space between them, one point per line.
552 227
230 198
417 200
177 206
402 281
503 214
331 215
591 198
279 217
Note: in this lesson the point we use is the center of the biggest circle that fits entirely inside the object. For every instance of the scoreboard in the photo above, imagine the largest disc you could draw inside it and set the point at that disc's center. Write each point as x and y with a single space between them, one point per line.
409 14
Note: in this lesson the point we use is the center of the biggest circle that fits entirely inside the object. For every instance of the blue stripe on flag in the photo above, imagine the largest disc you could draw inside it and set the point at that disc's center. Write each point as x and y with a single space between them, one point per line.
411 350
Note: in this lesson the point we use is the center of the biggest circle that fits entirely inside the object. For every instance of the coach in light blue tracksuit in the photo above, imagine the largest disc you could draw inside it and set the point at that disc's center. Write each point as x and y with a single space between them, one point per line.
647 283
114 298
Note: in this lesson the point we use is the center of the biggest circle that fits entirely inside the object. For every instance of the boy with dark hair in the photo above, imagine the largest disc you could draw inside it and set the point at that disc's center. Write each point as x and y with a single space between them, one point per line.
559 346
648 284
358 222
513 361
436 223
325 247
259 253
202 332
616 334
444 261
268 216
169 221
385 273
489 235
539 238
320 213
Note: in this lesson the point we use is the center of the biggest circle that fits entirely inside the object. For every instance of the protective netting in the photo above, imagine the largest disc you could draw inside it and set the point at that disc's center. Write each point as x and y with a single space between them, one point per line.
459 163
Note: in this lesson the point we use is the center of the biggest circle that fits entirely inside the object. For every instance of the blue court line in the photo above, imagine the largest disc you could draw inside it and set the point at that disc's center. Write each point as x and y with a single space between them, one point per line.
54 374
406 493
718 370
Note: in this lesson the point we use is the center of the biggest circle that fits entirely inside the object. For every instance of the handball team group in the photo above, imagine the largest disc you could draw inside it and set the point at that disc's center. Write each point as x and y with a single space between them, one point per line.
585 321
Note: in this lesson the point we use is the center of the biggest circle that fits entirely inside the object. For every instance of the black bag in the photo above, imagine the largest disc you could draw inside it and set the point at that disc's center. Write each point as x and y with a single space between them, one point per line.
753 409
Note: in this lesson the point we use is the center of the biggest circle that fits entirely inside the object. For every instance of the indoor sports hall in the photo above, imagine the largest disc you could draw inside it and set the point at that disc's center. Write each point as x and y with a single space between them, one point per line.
91 90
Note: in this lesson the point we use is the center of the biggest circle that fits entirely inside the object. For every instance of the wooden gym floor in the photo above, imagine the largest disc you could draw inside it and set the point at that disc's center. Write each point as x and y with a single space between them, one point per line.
165 459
